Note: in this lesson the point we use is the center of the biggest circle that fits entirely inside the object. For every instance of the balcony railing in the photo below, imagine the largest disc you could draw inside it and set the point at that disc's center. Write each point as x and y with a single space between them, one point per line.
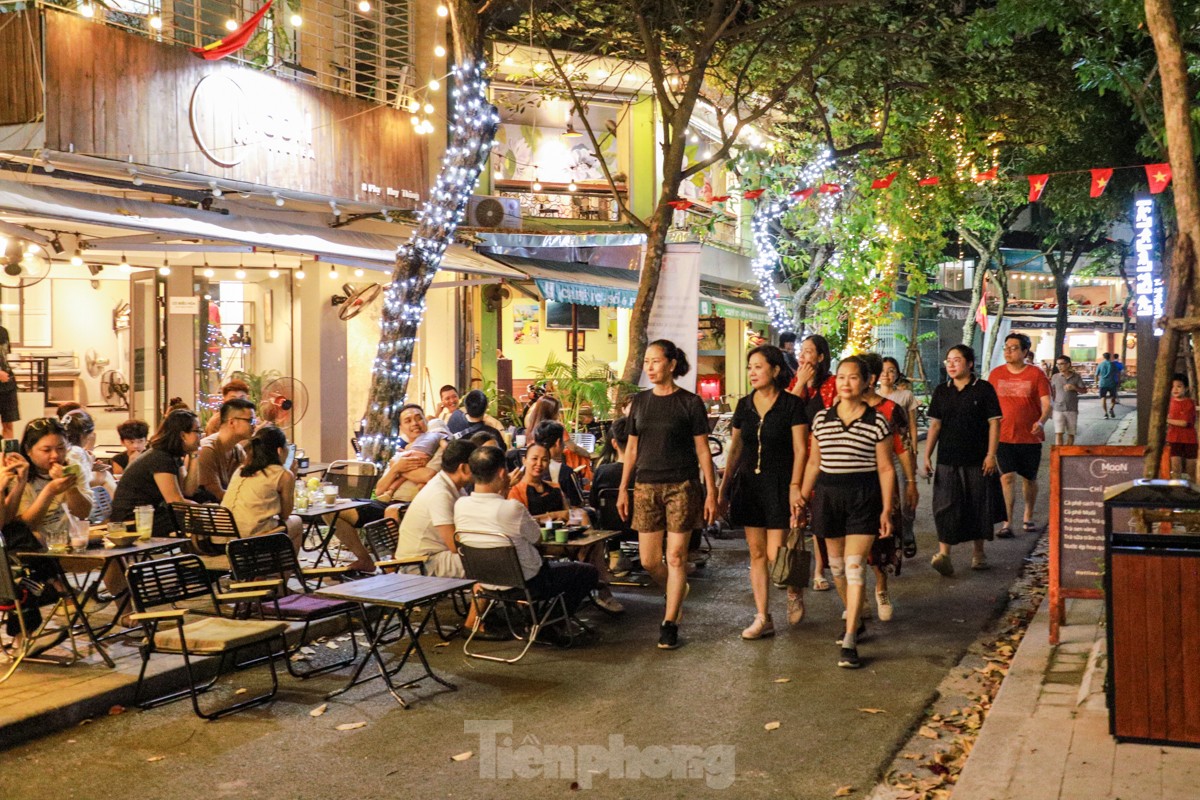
361 48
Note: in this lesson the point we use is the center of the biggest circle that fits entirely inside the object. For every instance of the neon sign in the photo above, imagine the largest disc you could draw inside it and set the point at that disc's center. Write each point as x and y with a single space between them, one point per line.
1148 285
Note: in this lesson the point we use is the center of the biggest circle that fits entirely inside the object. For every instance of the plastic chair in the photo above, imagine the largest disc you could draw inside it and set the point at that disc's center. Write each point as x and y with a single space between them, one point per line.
497 567
167 581
268 562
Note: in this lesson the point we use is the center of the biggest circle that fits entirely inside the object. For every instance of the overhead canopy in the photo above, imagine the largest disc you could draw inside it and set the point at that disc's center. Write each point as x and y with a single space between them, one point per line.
732 309
582 284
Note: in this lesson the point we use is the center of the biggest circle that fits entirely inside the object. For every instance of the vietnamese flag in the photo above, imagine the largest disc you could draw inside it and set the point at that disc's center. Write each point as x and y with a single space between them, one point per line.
990 175
981 315
1037 185
680 205
1159 176
828 188
718 198
234 41
929 181
753 194
803 194
884 183
1100 179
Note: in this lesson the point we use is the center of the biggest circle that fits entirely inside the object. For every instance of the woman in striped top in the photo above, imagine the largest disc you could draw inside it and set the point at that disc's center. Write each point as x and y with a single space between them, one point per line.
849 486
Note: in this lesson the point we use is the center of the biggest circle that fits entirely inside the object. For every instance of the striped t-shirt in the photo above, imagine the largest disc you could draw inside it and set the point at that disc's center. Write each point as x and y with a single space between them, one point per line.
849 449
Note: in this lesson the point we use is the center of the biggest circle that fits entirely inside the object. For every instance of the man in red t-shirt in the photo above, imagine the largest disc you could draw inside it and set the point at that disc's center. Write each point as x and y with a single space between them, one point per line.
1024 394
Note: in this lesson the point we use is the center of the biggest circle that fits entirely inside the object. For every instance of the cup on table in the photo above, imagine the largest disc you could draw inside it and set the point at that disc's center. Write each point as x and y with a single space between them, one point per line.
330 492
116 528
143 517
78 535
58 540
560 535
548 531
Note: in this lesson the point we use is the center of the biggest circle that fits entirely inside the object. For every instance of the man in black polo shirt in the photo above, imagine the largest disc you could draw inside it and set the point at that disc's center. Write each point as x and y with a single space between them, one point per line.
964 424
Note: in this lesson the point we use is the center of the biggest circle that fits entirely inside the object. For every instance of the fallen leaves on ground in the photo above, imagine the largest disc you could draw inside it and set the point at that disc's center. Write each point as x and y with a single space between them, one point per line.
152 759
462 756
319 710
350 726
929 733
844 791
442 644
114 710
873 710
332 645
772 726
243 690
783 680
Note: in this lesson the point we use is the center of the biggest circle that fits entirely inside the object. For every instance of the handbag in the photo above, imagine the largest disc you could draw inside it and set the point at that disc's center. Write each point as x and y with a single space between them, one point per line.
793 565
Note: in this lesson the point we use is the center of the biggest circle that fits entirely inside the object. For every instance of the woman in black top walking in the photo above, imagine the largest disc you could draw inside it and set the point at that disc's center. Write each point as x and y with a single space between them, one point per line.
668 446
849 484
763 474
964 425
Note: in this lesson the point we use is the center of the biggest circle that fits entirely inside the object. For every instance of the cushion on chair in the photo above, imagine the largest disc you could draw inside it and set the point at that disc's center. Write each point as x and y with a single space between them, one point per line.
301 606
216 634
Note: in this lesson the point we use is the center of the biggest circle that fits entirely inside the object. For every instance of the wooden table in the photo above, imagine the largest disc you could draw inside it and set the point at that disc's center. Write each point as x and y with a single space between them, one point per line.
312 516
313 467
399 594
93 562
572 547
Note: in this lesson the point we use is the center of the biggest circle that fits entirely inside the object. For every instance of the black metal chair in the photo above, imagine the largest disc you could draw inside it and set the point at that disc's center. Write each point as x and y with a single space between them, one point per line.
497 567
167 581
210 528
355 479
13 602
380 538
268 562
609 519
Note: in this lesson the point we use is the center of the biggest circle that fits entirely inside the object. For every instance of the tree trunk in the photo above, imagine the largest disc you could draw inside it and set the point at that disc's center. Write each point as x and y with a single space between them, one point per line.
472 131
977 282
1062 296
804 295
994 329
1160 19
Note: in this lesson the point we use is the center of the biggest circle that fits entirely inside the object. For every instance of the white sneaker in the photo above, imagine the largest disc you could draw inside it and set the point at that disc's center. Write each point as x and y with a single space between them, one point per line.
761 627
884 604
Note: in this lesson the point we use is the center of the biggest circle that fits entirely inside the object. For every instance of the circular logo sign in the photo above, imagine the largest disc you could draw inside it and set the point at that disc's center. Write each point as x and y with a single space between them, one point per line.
219 115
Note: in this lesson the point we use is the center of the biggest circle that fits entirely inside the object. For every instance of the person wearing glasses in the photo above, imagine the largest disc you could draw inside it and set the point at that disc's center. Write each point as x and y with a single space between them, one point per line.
221 454
156 478
1024 394
964 425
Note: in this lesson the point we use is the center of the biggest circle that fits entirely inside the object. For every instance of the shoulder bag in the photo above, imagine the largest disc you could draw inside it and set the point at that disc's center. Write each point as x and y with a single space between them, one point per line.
792 564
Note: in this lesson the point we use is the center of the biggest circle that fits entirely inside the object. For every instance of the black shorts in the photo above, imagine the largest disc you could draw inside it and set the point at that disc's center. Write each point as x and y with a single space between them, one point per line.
9 411
1108 391
1184 450
1023 459
846 504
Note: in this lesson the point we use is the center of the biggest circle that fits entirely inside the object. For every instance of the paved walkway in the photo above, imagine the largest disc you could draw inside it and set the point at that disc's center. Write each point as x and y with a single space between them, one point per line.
1046 736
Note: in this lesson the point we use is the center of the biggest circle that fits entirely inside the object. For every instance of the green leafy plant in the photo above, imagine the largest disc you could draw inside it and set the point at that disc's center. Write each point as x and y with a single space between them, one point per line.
591 383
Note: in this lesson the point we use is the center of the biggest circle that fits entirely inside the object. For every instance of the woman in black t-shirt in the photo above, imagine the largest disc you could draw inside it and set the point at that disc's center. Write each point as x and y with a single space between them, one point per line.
763 474
155 477
668 446
964 424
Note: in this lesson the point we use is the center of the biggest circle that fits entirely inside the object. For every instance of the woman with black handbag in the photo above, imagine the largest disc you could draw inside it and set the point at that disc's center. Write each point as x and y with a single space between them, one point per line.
763 474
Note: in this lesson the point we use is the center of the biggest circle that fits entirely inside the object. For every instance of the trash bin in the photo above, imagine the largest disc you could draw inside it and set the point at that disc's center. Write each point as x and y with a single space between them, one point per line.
1152 595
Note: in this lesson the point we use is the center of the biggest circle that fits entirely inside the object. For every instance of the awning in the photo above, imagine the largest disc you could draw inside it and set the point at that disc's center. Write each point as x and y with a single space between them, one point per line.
338 246
582 284
732 309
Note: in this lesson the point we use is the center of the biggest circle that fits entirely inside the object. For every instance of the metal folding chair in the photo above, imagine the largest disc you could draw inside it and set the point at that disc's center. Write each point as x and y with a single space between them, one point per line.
168 581
497 567
380 538
355 479
209 527
12 603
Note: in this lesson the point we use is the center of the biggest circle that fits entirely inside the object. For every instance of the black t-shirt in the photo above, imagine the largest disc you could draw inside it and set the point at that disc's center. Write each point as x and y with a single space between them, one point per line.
137 487
666 427
121 460
964 415
776 453
473 428
545 501
605 476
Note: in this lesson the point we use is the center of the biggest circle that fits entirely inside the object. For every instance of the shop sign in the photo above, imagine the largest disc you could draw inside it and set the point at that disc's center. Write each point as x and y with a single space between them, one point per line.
1148 284
229 123
183 305
737 312
584 294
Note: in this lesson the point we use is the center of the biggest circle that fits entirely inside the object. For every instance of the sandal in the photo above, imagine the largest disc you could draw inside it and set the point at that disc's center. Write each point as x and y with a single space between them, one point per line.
1031 526
1005 533
819 584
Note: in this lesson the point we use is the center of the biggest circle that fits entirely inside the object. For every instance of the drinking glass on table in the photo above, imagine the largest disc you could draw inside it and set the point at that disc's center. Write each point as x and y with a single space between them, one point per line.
330 491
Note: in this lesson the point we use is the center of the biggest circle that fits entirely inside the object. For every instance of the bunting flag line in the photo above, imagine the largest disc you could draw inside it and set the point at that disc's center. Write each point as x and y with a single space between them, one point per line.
680 205
753 194
981 317
990 175
1100 179
803 194
1159 176
828 188
930 181
235 41
1037 185
884 183
719 198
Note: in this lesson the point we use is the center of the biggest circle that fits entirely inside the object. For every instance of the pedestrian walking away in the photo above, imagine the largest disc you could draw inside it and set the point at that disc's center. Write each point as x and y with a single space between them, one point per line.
849 485
763 473
964 427
1108 378
1065 388
1024 394
815 384
668 446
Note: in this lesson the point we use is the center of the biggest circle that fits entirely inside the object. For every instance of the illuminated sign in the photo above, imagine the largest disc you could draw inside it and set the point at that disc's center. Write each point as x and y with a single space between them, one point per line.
1148 285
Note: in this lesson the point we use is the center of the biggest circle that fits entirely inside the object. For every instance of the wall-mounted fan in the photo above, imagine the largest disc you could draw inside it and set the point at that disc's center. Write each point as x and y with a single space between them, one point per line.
94 363
289 398
115 390
355 300
496 296
22 264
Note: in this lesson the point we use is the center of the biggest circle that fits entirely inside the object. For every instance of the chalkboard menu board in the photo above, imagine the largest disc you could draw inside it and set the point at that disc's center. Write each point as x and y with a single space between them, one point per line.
1079 476
1084 480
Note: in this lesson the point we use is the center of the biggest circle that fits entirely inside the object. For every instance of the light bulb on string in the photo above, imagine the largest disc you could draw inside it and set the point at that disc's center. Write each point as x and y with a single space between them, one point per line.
88 10
231 25
571 187
358 273
274 273
364 6
299 274
297 20
164 270
434 84
240 274
439 51
156 22
333 273
124 266
77 258
414 106
429 109
442 11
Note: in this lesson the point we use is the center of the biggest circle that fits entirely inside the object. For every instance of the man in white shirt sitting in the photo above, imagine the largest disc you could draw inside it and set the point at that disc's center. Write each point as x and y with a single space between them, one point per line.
427 530
488 511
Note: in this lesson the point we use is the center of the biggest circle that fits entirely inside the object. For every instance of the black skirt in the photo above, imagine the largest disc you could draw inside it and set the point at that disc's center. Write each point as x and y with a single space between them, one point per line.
966 503
761 501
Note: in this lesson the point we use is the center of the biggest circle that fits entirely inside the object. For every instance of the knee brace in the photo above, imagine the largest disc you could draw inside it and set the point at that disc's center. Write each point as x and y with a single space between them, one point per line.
837 566
854 570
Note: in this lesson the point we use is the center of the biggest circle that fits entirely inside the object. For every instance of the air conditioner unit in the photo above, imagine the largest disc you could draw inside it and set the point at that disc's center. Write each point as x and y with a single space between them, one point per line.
485 211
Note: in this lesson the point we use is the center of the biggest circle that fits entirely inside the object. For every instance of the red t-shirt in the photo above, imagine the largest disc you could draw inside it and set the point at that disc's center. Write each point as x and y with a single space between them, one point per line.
888 409
1020 396
1182 409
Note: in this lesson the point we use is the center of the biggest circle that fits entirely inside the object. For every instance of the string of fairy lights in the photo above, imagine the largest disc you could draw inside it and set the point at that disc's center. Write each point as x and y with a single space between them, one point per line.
472 127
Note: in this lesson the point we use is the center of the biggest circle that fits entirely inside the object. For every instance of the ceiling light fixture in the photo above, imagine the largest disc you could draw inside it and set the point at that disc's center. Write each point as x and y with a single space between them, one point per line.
571 133
442 11
299 274
77 258
297 20
156 23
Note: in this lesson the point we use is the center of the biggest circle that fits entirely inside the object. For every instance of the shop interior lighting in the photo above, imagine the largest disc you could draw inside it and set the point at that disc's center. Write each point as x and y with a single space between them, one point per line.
571 133
429 109
231 25
240 274
299 274
297 20
358 273
164 270
77 258
434 85
156 22
414 106
364 6
571 187
87 10
124 266
442 11
333 274
439 51
274 273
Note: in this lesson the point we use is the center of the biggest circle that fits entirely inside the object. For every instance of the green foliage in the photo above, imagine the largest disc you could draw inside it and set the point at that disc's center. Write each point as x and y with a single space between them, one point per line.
592 384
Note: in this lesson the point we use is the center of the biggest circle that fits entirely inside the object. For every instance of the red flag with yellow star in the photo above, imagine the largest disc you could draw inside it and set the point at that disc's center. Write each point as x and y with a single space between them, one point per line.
990 175
931 181
803 194
1037 185
884 183
235 41
1159 176
1100 179
753 194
